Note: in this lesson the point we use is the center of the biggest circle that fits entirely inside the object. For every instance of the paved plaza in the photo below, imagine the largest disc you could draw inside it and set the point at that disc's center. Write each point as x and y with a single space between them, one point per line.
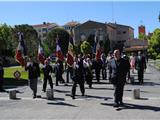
96 104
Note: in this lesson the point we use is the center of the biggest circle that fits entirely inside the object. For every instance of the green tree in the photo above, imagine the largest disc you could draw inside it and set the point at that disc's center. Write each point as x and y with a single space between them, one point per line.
91 40
154 44
50 42
86 48
5 40
30 38
106 45
142 36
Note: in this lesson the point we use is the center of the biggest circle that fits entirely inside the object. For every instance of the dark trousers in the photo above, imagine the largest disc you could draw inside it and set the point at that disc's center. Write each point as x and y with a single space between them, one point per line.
69 74
89 80
140 76
104 73
59 78
81 84
118 93
97 74
33 85
1 84
45 82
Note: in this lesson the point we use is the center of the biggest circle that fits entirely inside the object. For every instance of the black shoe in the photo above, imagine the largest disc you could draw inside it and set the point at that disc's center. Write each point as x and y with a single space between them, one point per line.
73 97
121 103
34 96
116 105
82 94
44 90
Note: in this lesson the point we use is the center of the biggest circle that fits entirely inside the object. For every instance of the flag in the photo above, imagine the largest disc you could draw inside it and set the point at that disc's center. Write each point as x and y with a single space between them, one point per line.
59 54
72 38
95 42
98 51
41 56
21 50
70 59
97 47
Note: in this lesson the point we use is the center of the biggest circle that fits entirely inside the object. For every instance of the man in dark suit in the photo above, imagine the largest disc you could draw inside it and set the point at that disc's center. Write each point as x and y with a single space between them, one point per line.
140 64
33 74
118 68
78 76
47 70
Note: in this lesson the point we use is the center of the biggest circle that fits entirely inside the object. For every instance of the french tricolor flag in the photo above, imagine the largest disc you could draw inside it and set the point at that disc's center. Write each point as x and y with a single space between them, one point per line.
21 50
41 56
59 53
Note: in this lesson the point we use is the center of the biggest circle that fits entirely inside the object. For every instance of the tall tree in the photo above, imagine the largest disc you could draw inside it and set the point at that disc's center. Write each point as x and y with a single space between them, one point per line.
5 38
86 48
91 39
142 36
30 38
154 44
50 42
106 45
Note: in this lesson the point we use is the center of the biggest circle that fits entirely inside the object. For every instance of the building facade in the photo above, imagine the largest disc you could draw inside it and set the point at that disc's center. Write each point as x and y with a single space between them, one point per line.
70 26
83 31
136 45
142 30
43 29
119 34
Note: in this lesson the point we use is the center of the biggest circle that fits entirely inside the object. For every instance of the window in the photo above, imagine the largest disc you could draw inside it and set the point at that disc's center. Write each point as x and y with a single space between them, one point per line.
44 29
124 32
39 30
118 41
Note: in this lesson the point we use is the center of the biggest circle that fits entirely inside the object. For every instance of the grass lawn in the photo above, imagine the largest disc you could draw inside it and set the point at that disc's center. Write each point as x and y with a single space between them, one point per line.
155 63
8 72
10 79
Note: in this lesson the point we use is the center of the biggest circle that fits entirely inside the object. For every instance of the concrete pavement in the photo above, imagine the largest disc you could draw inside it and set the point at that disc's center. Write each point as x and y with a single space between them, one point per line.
97 104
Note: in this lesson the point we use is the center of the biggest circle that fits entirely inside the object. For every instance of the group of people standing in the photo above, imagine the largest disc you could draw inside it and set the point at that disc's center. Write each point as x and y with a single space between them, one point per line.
82 71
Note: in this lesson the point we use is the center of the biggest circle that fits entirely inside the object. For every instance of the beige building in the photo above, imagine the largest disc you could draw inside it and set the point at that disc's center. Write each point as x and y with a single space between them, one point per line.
70 25
43 29
119 34
83 31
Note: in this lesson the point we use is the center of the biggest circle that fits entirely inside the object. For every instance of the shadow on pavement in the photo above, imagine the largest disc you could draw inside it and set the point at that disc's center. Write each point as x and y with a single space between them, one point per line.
98 97
134 106
61 91
54 99
61 103
16 99
146 83
100 88
91 96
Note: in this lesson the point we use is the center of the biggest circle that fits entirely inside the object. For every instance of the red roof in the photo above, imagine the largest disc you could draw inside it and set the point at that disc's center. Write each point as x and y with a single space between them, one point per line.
72 23
136 48
44 25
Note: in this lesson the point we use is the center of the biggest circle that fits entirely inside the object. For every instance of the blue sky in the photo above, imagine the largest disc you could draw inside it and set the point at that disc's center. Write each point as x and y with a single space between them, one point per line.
132 13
